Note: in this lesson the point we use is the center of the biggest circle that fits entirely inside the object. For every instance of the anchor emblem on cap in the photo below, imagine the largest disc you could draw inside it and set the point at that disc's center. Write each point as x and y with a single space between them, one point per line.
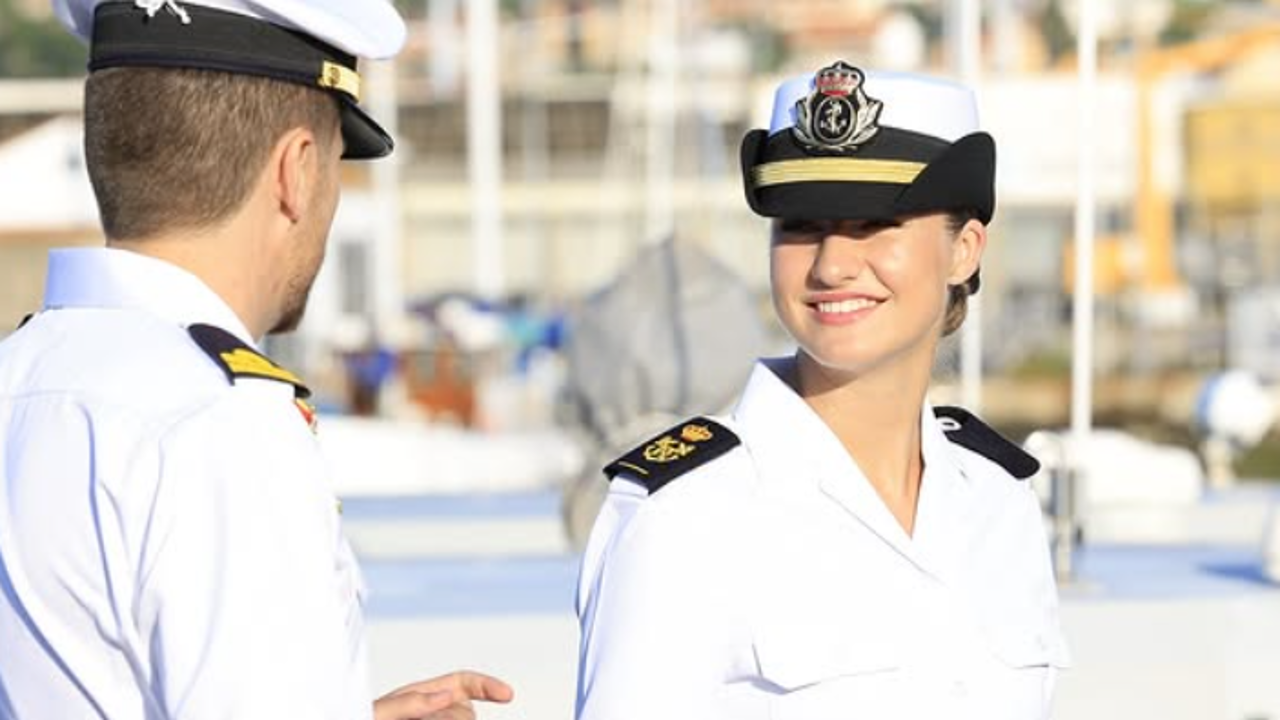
837 116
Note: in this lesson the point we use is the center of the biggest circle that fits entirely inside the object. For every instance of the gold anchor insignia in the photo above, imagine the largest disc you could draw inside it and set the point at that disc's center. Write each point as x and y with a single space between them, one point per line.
838 116
667 449
696 433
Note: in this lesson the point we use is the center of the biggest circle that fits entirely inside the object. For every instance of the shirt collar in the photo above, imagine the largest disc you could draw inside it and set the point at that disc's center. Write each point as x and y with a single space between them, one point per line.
795 451
769 406
788 441
114 278
938 451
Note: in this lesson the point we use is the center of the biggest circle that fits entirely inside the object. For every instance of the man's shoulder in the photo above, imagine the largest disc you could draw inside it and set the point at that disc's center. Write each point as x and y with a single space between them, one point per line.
112 357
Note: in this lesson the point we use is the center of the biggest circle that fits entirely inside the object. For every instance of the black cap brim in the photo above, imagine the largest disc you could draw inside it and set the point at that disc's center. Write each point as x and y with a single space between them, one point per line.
363 136
956 176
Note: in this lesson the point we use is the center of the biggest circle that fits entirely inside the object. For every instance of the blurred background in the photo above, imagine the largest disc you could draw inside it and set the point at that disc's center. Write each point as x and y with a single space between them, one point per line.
557 262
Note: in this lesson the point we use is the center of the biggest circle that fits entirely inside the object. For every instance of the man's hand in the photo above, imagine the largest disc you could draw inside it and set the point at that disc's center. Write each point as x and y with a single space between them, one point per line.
447 697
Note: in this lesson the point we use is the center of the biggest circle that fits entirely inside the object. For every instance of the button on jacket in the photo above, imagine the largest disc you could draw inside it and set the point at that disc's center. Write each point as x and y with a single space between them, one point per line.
772 582
169 547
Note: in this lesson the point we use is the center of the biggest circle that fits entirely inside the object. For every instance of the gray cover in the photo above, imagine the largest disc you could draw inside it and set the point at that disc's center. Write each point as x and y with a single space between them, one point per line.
675 335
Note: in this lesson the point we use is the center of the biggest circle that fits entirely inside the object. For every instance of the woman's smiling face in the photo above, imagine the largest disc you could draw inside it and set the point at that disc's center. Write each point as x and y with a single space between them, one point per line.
856 294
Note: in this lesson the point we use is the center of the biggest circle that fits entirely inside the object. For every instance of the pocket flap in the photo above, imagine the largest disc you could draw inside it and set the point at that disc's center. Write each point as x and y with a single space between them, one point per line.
1024 645
801 655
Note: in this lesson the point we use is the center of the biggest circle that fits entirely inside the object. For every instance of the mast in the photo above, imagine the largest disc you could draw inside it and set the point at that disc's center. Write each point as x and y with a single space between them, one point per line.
385 275
662 52
964 31
1076 475
484 148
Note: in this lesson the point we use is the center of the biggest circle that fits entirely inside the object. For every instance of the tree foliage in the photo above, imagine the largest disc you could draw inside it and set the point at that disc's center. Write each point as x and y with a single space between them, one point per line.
37 48
1058 38
1187 22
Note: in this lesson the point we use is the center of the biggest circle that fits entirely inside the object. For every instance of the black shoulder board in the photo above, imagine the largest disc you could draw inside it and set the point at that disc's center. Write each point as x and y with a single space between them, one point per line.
966 430
239 360
675 452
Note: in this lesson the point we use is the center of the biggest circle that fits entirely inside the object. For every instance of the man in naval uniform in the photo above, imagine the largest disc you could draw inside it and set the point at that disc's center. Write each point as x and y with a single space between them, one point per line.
169 546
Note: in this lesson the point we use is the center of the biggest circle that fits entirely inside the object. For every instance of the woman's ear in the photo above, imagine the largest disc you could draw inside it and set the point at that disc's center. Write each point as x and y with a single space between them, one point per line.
966 251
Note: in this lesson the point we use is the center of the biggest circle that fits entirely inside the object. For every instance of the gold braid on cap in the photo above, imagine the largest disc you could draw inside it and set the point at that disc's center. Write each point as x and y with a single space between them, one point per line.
836 169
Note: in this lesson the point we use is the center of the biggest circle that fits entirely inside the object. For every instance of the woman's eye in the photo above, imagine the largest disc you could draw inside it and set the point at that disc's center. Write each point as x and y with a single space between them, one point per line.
801 227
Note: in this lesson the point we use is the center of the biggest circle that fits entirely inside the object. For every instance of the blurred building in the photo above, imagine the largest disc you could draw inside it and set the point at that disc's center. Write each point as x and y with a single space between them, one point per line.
33 8
586 124
47 203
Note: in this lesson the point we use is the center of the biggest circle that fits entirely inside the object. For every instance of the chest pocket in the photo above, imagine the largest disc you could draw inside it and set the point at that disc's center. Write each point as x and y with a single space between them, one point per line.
1022 628
1020 644
814 669
1026 652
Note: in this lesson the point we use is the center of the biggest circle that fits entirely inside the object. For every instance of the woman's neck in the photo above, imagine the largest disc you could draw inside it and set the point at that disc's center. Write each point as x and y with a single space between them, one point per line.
876 417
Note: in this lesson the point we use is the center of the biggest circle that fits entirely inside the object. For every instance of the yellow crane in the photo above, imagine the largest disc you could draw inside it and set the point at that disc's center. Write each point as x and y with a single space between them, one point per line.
1154 219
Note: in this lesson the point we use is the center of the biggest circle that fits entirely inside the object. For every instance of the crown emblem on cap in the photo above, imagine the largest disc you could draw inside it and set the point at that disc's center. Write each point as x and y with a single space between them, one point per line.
839 79
837 117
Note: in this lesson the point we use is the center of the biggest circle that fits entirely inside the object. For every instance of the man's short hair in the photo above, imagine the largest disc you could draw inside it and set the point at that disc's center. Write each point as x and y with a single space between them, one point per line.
169 149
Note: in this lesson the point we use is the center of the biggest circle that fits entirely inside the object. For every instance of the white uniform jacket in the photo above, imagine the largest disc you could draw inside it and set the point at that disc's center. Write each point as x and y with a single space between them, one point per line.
169 547
772 582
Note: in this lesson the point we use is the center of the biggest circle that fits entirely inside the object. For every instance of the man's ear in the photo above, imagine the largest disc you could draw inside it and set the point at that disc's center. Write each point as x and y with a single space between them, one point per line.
966 251
294 165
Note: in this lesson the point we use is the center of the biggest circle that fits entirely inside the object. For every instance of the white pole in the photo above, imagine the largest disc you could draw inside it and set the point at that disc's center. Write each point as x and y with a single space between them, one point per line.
1082 311
385 267
1004 37
965 31
662 53
535 141
484 147
442 34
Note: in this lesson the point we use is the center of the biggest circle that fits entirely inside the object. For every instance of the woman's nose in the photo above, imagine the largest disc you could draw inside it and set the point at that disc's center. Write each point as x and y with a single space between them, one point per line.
840 258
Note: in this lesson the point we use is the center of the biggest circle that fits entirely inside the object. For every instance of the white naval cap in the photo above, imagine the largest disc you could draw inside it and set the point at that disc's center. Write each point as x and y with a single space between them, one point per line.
365 28
844 143
309 42
920 103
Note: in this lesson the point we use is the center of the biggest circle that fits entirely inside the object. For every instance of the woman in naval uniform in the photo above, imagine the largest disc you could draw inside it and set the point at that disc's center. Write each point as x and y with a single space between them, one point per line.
837 547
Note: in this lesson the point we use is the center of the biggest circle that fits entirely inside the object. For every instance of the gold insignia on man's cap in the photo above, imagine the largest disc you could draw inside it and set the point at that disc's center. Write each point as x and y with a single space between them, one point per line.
343 79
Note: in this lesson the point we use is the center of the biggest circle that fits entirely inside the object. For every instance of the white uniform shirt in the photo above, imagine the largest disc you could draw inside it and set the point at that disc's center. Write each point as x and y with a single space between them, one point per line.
772 582
169 547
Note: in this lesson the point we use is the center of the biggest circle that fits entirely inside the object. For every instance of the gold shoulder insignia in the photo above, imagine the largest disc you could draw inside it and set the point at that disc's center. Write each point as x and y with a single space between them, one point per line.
966 430
239 360
675 452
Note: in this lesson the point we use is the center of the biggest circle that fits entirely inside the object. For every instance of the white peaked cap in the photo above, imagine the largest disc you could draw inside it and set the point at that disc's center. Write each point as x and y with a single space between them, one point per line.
316 43
919 103
370 29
